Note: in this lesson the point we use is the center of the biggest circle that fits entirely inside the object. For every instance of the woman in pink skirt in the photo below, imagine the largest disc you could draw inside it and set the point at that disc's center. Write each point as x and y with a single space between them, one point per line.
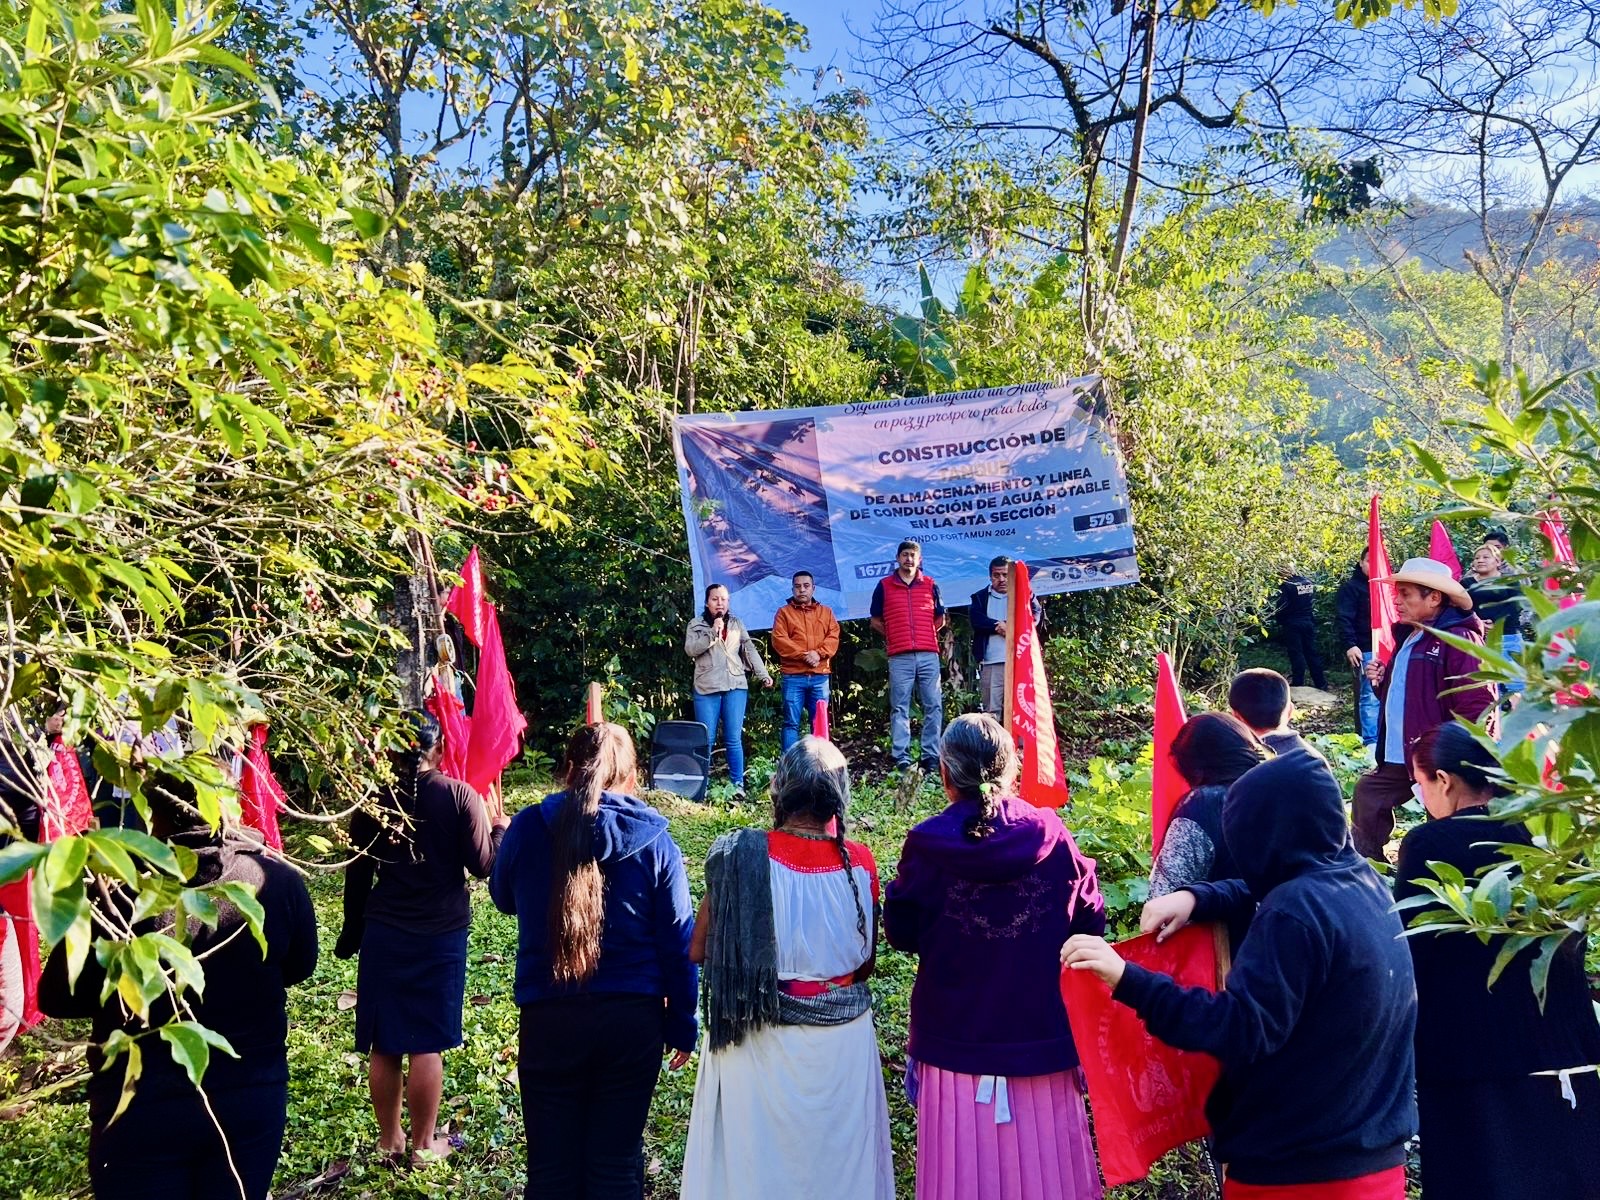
984 892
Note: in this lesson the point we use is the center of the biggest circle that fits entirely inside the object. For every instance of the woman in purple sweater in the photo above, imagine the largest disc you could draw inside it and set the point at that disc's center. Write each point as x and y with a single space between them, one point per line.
983 894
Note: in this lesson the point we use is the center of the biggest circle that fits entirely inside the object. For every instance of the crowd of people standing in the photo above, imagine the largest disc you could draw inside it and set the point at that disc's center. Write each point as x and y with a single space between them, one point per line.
1338 1036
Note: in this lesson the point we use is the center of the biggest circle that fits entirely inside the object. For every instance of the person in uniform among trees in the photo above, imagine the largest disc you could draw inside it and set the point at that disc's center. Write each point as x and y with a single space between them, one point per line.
1296 619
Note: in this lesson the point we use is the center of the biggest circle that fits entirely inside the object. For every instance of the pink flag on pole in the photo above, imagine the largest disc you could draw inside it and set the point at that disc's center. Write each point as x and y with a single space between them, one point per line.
1167 784
469 603
451 714
1554 530
1043 782
1442 549
1380 595
261 796
819 721
497 723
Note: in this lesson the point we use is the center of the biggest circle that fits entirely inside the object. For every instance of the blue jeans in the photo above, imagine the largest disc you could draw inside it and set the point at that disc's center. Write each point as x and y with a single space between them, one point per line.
800 692
1367 705
1512 645
727 708
915 670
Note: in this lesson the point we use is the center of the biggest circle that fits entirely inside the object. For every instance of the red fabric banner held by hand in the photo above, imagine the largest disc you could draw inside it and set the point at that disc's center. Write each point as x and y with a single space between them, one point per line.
67 810
1147 1097
1043 782
1167 784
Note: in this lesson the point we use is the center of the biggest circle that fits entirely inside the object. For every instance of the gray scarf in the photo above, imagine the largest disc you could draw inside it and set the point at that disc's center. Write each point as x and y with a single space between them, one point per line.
739 991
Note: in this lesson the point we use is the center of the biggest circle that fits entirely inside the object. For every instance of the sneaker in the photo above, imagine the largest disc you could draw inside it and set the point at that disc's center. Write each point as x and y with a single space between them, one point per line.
930 765
738 795
902 765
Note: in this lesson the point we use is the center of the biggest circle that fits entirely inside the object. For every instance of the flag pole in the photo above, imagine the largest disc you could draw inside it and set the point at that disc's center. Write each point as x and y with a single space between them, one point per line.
1011 639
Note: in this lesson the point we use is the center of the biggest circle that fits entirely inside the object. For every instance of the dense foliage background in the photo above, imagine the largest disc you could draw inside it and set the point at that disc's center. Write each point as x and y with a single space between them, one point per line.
302 298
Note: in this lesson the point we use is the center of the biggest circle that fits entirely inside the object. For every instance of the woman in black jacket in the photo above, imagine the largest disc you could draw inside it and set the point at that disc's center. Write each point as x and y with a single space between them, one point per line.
1500 1117
167 1144
407 911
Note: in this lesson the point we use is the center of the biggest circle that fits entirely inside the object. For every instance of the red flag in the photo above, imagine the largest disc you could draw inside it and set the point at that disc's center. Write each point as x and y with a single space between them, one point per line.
446 706
1555 532
11 989
261 796
1167 784
16 898
1147 1097
1442 549
1380 595
67 810
819 720
1033 721
497 723
469 603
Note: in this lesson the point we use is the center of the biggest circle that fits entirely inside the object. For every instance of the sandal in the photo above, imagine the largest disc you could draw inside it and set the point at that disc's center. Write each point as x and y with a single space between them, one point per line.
392 1160
428 1157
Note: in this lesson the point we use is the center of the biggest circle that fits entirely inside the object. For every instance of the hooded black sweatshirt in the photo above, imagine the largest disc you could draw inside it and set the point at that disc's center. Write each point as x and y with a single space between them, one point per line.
1314 1030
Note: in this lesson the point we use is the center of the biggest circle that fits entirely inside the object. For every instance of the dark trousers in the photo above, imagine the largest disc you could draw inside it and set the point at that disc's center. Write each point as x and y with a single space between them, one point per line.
1378 793
587 1067
1301 643
168 1149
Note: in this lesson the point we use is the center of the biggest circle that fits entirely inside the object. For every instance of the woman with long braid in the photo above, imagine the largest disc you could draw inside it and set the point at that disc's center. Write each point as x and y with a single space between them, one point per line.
789 1099
604 979
983 894
407 911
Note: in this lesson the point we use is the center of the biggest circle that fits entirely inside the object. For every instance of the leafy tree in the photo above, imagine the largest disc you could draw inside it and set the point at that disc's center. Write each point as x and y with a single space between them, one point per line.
223 436
1547 447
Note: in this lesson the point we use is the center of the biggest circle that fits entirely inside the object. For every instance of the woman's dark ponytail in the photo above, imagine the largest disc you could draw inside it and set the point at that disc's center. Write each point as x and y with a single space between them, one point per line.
599 758
980 763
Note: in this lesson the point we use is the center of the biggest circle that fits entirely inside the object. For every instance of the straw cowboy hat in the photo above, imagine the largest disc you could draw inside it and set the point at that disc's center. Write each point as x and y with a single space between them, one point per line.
1430 573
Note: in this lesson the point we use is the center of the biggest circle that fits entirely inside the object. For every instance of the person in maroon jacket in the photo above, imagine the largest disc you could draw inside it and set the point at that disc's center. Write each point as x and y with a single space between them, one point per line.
1426 683
907 610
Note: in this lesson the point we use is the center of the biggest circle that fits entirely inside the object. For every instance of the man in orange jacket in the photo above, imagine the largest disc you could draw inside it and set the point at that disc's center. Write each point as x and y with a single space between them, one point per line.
805 637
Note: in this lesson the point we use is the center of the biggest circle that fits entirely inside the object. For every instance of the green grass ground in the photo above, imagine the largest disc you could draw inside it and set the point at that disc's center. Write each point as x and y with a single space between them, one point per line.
43 1117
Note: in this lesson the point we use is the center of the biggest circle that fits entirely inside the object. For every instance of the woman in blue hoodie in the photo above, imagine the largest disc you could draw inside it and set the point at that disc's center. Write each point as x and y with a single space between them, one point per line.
604 979
1314 1030
984 894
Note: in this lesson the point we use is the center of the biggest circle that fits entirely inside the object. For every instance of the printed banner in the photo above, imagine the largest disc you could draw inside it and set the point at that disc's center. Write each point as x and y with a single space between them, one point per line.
1147 1097
1030 471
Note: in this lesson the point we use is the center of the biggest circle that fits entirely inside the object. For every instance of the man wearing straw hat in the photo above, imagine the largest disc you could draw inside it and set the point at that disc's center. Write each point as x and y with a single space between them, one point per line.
1424 684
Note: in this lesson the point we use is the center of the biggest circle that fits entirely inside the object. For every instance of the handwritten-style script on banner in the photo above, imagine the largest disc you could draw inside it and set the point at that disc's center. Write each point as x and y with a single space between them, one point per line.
1031 472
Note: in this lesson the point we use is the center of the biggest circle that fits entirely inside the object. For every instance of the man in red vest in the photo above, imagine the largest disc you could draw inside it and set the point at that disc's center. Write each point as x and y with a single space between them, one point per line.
907 610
